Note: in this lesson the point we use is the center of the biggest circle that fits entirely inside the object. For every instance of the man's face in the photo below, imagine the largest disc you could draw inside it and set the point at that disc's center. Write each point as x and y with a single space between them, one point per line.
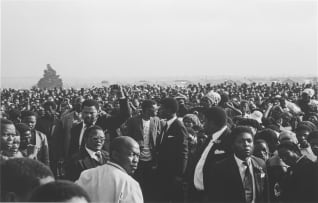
15 144
163 112
128 158
302 136
261 150
209 126
96 140
8 133
288 156
305 97
30 121
25 138
187 123
78 104
243 145
153 111
206 103
89 114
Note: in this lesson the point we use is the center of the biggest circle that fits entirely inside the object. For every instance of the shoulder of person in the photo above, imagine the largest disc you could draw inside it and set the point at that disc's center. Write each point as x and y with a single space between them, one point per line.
40 134
258 162
105 153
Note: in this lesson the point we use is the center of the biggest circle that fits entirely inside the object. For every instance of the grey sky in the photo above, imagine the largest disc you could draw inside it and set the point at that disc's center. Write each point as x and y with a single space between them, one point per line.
88 38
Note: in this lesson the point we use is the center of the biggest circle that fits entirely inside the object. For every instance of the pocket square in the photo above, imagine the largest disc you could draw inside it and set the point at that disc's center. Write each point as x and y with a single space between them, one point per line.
219 152
170 136
262 175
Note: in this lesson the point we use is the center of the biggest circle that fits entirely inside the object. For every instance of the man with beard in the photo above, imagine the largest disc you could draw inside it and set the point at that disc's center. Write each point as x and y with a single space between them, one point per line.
240 177
90 117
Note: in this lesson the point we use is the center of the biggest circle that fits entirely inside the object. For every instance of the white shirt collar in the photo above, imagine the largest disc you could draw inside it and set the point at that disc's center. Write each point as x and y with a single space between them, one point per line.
169 122
240 161
218 133
91 153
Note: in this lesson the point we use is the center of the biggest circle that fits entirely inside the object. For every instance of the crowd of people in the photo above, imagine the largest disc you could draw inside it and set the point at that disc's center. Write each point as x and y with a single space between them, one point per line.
150 143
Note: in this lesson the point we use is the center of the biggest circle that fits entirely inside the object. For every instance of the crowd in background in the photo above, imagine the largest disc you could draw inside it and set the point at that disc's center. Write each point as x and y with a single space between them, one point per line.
282 119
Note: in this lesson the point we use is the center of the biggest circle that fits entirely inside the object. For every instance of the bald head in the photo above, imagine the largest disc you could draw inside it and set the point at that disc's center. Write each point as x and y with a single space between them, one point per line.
125 152
122 142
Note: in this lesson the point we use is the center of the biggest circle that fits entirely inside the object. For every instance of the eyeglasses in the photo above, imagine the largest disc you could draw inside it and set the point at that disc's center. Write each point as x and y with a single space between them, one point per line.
98 139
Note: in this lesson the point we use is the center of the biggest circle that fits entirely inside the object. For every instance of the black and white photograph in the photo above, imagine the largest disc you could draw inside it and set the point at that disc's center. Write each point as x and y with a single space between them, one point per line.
159 101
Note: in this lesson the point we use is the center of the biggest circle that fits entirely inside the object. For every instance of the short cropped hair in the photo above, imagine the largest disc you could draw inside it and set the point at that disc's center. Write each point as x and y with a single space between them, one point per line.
147 104
217 115
170 104
237 131
22 175
58 191
91 129
269 136
89 103
25 114
22 128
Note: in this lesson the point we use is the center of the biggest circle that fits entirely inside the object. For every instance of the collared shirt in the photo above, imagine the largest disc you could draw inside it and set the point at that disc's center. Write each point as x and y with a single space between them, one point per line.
110 183
92 154
198 173
167 126
169 122
242 168
145 154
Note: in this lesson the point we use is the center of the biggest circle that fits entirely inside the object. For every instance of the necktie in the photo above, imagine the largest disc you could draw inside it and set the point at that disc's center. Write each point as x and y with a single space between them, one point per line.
248 183
163 133
99 157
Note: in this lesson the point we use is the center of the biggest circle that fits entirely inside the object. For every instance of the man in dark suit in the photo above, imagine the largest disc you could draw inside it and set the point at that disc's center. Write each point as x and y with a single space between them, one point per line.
91 157
69 120
214 148
240 177
145 129
90 117
172 153
301 181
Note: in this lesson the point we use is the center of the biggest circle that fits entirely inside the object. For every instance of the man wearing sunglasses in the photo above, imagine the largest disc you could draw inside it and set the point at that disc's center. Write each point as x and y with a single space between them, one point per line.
91 157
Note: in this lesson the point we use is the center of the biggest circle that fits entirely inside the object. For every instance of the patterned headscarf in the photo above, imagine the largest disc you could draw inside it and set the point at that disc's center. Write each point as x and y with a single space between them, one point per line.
213 97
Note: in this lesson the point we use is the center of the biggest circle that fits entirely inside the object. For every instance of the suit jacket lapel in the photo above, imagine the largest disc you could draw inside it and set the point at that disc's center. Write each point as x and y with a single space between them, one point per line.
237 178
151 133
258 172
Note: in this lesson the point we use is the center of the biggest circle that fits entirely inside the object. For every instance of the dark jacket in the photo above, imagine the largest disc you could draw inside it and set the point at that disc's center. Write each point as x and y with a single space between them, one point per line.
135 130
301 182
107 123
224 184
82 161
